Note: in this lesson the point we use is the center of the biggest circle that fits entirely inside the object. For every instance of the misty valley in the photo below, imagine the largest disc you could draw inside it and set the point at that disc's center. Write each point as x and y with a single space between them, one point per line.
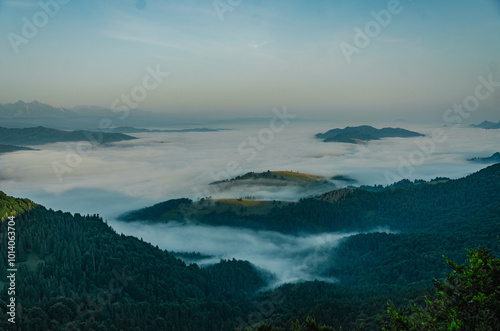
145 233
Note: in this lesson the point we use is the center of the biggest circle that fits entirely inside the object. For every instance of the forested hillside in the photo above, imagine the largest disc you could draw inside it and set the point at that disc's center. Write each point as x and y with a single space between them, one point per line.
411 207
10 206
75 272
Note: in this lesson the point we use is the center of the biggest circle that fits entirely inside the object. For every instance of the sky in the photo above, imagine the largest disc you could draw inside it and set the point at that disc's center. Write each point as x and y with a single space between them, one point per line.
242 58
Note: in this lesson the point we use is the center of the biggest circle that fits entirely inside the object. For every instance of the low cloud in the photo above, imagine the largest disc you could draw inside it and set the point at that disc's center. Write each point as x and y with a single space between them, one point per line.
156 167
289 258
162 166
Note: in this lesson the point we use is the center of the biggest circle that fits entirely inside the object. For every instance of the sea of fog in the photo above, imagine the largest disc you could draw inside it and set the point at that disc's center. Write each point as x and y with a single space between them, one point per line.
110 180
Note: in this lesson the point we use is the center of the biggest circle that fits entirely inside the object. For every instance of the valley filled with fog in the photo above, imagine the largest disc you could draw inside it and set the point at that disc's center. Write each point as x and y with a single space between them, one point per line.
116 178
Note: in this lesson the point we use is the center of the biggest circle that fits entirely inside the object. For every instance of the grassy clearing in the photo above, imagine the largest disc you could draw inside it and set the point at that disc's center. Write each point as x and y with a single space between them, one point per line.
32 261
296 175
240 202
245 206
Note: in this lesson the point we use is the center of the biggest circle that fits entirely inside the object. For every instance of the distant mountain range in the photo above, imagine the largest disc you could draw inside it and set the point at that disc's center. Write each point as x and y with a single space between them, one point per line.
41 135
487 125
33 109
130 129
38 110
358 134
88 117
492 159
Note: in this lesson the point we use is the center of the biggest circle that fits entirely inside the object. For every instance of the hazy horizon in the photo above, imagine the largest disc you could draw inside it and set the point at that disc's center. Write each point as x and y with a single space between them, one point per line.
111 179
414 61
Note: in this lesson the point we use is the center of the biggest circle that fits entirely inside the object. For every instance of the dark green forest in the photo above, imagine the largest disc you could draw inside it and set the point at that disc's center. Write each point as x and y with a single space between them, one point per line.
76 273
406 206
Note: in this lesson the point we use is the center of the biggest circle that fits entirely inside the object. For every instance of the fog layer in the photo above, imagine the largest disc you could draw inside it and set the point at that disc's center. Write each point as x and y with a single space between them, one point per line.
289 258
110 180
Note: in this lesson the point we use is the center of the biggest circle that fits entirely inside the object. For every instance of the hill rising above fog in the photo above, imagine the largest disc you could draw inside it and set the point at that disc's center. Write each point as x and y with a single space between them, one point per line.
254 183
435 204
492 159
487 125
41 135
12 148
358 134
282 176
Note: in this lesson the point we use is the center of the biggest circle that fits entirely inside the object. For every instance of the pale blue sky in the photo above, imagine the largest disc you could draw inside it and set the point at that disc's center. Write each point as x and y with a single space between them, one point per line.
264 54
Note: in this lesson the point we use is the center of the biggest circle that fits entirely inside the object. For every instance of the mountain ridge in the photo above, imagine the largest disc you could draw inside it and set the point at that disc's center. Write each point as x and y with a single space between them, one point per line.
495 158
41 135
487 125
363 133
356 208
35 109
38 110
130 129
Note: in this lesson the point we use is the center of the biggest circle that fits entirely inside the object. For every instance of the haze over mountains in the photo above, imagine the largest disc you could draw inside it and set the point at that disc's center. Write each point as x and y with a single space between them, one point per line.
491 159
39 110
28 114
487 125
35 109
127 120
